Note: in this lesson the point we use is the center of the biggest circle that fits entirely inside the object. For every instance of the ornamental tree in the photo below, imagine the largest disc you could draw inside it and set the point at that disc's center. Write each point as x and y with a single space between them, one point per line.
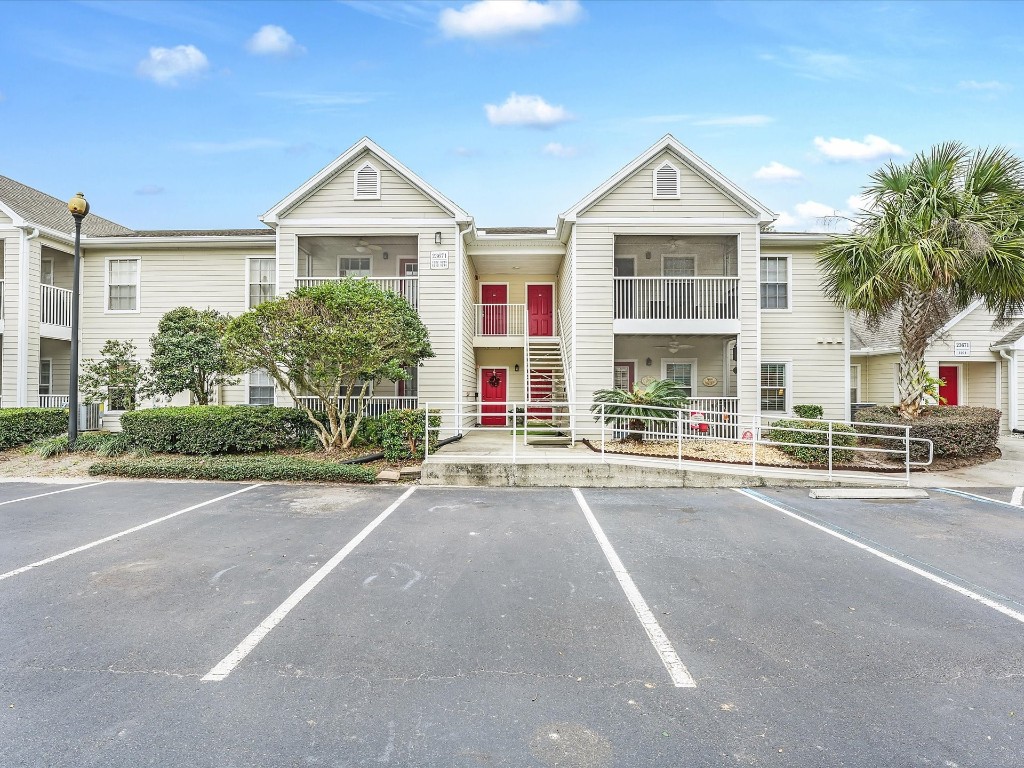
116 377
188 354
334 341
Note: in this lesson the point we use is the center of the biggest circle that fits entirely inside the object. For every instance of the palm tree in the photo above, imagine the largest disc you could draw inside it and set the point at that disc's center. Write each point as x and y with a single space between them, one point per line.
638 406
939 232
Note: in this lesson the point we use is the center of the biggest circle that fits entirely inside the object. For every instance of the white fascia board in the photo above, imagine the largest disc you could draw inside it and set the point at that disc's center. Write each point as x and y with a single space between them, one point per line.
364 144
197 241
695 163
13 215
796 238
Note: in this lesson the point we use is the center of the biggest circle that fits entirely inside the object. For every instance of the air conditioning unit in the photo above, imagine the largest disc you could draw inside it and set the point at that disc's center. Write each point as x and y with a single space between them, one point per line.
88 417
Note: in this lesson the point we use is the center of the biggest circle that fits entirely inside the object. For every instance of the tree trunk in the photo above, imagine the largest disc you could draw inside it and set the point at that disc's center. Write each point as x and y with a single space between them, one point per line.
636 431
915 331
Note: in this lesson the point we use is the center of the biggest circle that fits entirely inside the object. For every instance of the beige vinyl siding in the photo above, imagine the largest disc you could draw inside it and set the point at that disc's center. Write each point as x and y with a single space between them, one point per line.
491 358
9 378
708 352
60 373
634 196
63 267
877 378
398 198
818 369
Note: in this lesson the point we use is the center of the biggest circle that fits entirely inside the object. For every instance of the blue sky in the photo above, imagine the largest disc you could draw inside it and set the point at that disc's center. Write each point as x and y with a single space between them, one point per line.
203 115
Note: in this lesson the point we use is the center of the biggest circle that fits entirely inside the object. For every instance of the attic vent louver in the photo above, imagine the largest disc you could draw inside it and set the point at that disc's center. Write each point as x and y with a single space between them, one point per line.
666 181
367 183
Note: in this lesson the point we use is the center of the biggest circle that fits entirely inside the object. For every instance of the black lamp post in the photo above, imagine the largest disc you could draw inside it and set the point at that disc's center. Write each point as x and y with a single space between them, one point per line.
79 208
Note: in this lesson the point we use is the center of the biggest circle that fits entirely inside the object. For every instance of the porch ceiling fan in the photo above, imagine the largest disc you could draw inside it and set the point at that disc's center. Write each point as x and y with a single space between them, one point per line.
673 346
362 246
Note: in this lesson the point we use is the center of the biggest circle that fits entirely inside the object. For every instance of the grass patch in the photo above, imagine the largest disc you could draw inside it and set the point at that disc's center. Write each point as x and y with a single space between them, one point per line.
246 467
100 443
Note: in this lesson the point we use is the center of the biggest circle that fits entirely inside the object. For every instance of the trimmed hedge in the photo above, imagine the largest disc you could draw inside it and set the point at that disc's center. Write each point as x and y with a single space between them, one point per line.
20 426
203 430
783 431
264 467
809 411
401 433
956 431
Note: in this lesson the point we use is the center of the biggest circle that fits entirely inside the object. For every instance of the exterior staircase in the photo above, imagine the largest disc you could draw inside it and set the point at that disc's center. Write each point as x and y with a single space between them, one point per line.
545 381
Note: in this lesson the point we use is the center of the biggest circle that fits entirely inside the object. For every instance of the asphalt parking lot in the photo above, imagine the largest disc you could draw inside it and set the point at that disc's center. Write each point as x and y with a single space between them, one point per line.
229 625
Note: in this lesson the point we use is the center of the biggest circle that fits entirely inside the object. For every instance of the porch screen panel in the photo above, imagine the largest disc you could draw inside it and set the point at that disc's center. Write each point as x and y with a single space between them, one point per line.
681 374
773 386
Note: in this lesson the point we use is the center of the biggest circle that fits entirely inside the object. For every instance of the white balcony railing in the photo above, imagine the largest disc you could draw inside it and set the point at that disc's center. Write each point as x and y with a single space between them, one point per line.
53 401
55 305
406 287
372 406
677 298
499 319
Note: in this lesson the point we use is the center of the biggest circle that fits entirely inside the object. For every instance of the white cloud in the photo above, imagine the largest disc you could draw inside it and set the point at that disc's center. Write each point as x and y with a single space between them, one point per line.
530 111
814 210
320 100
812 216
737 121
559 150
816 65
776 171
272 40
988 86
872 148
499 18
225 147
169 66
859 203
665 119
465 152
150 189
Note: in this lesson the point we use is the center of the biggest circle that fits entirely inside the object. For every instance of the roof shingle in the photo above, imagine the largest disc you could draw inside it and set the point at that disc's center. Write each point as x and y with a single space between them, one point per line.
47 211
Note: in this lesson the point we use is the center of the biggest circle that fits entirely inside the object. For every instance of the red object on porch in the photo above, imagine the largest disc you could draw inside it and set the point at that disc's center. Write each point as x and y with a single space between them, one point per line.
493 388
951 389
540 305
496 317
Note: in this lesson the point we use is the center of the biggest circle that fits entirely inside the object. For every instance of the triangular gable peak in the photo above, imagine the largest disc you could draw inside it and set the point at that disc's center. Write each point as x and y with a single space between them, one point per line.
668 179
364 174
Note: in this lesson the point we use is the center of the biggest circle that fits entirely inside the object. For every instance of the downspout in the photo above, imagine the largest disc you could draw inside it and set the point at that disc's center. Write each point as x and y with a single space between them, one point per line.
23 290
1012 399
461 320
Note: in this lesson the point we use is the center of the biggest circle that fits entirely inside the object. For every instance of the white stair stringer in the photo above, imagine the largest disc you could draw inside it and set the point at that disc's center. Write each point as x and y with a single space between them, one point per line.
545 381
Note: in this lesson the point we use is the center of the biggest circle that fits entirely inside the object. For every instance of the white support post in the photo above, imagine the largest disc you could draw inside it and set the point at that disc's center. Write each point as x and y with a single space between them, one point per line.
515 420
679 439
830 450
906 450
426 431
755 423
602 431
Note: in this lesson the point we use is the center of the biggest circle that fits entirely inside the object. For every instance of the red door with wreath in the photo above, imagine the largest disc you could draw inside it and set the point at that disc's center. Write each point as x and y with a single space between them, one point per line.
493 391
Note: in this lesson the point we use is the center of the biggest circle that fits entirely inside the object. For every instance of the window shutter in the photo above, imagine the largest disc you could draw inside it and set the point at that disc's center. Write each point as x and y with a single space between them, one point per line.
367 183
666 181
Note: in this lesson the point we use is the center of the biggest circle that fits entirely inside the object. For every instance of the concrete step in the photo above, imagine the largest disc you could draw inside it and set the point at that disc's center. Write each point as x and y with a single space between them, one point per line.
548 440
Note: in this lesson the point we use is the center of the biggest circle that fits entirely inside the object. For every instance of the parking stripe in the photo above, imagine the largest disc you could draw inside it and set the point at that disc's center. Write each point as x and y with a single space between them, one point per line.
680 675
52 493
987 601
119 534
1018 497
244 648
979 497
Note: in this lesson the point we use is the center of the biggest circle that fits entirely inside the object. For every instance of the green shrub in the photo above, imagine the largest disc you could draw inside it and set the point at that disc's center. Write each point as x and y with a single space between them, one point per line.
785 431
264 467
809 411
21 426
955 431
101 443
48 447
212 429
401 433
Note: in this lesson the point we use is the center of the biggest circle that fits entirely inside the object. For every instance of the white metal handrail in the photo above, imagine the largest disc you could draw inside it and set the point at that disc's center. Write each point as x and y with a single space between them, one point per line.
406 287
677 298
55 305
499 319
372 406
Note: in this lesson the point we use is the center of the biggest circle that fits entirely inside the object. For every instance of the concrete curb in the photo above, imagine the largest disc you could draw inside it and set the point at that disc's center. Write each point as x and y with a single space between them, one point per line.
868 493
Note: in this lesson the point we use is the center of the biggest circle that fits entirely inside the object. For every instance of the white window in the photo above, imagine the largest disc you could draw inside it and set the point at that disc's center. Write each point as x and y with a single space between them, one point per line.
262 280
774 387
681 372
353 266
122 285
855 383
45 376
775 282
261 388
410 387
678 266
46 272
367 183
666 181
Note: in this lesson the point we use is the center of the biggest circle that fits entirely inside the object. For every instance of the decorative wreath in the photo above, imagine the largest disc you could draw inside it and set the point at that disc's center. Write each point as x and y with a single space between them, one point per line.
494 380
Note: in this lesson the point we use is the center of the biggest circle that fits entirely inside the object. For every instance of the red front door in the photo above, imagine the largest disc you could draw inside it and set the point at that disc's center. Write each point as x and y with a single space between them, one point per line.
493 389
495 320
541 307
949 393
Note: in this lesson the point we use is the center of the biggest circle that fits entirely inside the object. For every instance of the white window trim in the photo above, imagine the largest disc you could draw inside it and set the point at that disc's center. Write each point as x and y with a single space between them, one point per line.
692 361
789 282
359 256
856 381
53 275
249 385
248 278
49 382
665 256
138 286
789 387
355 182
654 182
636 368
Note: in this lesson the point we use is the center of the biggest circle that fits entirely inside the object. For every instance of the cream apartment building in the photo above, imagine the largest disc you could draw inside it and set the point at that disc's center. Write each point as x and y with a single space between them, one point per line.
666 270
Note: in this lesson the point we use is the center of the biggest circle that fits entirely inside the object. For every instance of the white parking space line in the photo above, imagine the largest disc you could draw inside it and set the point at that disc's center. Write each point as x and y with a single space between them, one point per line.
52 493
119 534
1018 497
244 648
680 675
1014 502
1016 615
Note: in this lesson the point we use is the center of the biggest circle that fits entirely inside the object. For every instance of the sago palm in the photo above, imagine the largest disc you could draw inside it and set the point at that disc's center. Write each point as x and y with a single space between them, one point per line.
939 232
640 406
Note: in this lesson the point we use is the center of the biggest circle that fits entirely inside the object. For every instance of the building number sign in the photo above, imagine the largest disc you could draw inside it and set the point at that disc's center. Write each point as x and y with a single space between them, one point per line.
961 349
439 259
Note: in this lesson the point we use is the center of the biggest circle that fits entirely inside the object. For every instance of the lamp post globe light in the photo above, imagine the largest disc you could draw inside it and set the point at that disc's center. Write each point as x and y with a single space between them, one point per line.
79 208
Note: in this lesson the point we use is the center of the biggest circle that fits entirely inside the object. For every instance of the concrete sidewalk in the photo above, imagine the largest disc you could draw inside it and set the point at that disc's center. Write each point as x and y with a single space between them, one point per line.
1006 470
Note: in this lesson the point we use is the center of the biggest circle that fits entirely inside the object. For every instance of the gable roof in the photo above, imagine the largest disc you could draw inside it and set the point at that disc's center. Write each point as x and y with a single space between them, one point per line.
1011 338
340 162
697 164
884 336
26 205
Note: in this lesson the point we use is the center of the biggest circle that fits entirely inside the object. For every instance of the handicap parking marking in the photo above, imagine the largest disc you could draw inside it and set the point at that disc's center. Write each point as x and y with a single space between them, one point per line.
226 665
680 675
53 493
119 534
928 572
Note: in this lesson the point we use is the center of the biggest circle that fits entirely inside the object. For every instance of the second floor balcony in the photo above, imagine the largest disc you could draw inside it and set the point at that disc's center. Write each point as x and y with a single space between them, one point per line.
406 287
391 263
676 304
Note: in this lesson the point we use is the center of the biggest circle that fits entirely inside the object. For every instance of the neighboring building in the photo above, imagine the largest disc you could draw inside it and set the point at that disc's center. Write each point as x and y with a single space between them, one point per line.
664 271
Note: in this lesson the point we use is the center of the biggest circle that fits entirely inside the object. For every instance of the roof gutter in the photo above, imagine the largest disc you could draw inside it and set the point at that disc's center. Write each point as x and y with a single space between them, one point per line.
1012 399
196 241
